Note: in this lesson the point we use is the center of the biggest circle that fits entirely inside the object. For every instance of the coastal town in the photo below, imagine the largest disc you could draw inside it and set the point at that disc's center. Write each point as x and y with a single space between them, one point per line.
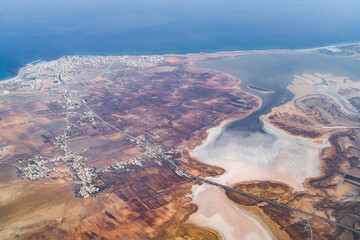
118 132
179 120
40 167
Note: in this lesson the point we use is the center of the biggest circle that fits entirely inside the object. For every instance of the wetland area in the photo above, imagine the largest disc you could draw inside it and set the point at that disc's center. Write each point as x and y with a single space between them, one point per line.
250 149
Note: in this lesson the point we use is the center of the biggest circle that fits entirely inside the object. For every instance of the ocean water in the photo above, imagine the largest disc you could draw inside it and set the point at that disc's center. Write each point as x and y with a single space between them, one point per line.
42 29
275 72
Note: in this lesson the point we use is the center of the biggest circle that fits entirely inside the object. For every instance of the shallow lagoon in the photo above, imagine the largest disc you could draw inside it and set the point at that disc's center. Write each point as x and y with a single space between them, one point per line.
275 72
249 149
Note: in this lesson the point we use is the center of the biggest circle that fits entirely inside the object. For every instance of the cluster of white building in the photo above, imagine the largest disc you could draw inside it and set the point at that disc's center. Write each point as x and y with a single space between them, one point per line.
34 74
137 161
37 170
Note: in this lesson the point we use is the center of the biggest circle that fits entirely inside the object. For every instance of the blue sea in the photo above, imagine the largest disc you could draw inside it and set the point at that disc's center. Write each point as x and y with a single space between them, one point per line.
43 29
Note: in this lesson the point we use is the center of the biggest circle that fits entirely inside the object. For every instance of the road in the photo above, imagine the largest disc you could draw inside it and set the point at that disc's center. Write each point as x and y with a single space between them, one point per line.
27 121
341 127
203 179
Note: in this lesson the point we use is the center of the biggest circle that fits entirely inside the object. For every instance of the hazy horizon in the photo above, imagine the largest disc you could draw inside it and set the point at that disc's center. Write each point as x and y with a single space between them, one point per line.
38 29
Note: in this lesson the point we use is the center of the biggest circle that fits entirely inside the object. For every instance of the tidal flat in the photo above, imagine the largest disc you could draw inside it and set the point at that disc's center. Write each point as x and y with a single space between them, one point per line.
250 149
269 156
218 213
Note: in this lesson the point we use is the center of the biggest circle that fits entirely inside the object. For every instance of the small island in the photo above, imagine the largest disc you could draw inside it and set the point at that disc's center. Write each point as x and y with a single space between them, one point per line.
260 89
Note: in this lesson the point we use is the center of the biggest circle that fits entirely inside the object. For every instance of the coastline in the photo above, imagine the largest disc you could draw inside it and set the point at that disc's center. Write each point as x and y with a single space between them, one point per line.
209 53
204 137
256 89
261 220
232 86
319 143
330 167
258 229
